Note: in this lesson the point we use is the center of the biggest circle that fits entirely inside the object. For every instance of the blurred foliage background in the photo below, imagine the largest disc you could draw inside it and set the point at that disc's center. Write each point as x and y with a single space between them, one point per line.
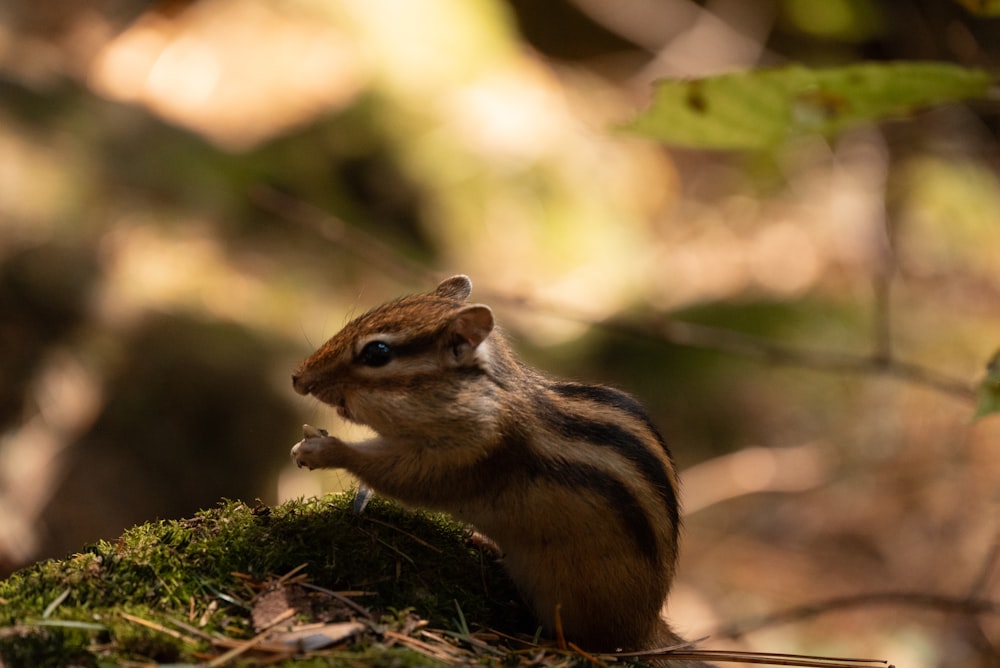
194 194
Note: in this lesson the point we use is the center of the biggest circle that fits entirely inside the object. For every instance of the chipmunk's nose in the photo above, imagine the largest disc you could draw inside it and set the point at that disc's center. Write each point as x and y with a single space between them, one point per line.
300 385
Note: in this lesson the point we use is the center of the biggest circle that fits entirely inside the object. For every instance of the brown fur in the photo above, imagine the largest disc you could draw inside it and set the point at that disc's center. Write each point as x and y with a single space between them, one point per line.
572 481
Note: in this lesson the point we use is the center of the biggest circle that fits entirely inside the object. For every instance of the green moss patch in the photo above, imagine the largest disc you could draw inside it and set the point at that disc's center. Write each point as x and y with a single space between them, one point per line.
233 583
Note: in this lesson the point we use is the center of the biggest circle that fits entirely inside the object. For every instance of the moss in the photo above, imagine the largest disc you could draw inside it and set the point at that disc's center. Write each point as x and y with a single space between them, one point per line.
44 648
164 590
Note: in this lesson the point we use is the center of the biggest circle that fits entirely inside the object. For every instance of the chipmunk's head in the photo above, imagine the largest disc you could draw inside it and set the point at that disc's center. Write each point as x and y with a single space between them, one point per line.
401 355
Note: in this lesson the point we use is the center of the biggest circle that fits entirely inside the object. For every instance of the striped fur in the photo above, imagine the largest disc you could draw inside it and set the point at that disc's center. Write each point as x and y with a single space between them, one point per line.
572 481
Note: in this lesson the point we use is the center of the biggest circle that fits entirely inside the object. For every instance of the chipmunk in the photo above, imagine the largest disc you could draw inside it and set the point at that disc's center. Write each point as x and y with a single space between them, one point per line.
572 481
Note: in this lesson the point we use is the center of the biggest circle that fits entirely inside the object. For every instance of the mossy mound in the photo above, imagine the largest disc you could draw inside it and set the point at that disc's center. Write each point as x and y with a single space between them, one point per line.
188 591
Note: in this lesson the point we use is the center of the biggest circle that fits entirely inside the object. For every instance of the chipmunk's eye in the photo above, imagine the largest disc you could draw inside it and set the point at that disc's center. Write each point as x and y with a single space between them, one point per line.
375 353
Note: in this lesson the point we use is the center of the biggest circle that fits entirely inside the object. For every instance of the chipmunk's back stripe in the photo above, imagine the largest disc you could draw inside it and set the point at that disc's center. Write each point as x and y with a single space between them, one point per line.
579 476
627 444
613 398
601 395
517 456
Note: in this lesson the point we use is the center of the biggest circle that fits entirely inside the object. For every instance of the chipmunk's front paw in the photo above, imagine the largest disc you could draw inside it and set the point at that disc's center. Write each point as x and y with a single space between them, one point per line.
314 449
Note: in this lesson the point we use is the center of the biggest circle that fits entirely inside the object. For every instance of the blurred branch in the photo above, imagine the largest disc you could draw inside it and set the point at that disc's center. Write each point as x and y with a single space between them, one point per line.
766 351
771 470
739 344
965 606
650 25
336 231
658 327
685 38
986 570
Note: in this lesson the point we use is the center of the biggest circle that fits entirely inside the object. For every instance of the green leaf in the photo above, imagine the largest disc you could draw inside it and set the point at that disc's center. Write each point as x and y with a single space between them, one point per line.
981 7
764 108
989 389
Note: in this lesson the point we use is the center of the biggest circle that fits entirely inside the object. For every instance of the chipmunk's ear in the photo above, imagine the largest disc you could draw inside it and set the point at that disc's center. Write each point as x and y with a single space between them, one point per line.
457 287
469 328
